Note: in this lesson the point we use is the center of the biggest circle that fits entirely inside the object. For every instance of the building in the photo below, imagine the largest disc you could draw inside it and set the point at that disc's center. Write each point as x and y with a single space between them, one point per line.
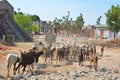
104 33
98 31
101 31
44 27
89 31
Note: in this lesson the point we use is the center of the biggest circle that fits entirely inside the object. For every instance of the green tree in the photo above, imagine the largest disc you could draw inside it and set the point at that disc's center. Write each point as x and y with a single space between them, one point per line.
66 22
98 20
35 28
24 21
79 22
35 18
113 19
56 25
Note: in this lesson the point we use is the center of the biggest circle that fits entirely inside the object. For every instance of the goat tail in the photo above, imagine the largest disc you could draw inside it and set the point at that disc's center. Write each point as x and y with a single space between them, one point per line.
7 57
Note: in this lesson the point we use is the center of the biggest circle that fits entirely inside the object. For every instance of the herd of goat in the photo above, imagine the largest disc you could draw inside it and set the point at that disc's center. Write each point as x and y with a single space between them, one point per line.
53 51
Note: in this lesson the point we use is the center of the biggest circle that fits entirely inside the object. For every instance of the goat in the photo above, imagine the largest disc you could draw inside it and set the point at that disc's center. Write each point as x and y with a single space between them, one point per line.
60 53
46 52
29 58
12 59
49 54
102 50
93 58
80 57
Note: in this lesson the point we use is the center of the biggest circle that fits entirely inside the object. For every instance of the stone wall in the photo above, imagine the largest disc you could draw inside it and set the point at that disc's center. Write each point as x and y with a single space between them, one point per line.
7 24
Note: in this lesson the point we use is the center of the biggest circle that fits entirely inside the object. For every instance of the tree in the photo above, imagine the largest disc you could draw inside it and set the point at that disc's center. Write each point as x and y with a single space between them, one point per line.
24 21
18 9
66 23
56 25
35 28
98 20
79 21
113 19
35 18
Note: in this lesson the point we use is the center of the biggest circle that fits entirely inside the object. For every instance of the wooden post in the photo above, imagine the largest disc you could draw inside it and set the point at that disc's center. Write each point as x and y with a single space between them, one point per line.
8 40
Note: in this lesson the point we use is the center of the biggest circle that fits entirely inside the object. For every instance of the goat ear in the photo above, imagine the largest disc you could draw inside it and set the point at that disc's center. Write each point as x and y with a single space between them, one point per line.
24 52
30 49
20 51
21 54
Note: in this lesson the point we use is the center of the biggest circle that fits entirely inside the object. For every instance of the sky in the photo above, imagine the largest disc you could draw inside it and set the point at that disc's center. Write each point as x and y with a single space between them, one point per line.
47 10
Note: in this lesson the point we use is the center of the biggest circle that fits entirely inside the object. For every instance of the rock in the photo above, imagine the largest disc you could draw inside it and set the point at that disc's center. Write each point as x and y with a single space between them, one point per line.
85 72
25 74
30 78
115 70
118 79
75 74
2 77
58 79
15 78
65 79
103 70
33 78
97 75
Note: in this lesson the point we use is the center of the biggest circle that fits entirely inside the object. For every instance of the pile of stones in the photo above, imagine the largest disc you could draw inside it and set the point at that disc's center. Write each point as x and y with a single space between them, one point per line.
102 74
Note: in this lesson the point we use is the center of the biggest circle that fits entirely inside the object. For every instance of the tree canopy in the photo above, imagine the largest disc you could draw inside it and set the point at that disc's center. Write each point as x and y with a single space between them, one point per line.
98 20
35 18
80 21
113 18
25 21
68 24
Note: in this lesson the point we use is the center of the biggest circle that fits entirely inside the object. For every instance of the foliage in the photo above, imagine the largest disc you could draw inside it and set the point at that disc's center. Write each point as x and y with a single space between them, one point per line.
113 18
66 23
79 21
35 28
98 20
35 18
56 25
24 21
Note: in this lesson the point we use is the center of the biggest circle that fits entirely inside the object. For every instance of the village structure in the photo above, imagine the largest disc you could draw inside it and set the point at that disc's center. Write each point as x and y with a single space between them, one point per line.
9 27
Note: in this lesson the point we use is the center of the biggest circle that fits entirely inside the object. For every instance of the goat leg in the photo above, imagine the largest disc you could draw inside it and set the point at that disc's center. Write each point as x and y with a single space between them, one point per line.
17 68
95 66
90 65
24 67
31 70
14 68
45 61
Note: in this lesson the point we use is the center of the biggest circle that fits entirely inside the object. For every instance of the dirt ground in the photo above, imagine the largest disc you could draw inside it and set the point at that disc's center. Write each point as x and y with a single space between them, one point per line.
111 60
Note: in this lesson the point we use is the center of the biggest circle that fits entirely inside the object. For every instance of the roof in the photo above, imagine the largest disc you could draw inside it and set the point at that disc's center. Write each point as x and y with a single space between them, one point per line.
101 26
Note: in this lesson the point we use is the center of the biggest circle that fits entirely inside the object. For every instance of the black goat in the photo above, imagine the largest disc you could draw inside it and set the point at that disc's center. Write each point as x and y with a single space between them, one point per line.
60 54
102 50
28 59
80 57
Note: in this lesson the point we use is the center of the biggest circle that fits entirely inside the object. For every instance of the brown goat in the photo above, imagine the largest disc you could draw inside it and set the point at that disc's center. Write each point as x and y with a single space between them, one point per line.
93 59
